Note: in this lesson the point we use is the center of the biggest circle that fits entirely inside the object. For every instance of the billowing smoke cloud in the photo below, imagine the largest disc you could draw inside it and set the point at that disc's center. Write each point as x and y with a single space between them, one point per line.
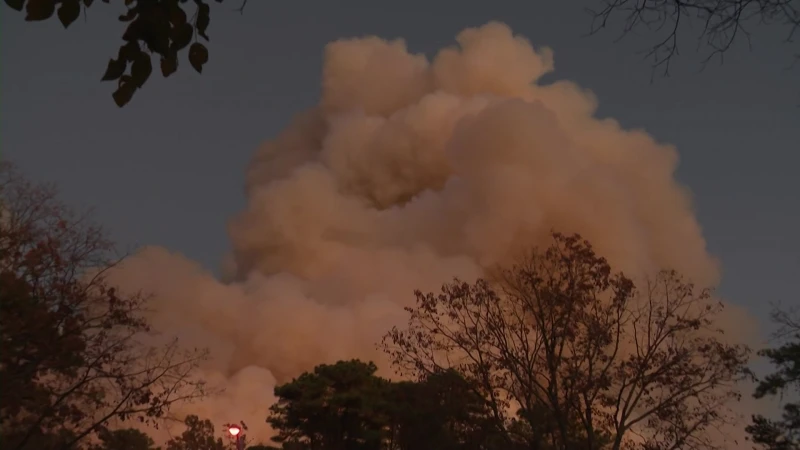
407 173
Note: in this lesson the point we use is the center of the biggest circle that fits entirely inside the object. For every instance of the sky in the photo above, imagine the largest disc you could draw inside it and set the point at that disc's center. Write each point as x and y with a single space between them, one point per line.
168 168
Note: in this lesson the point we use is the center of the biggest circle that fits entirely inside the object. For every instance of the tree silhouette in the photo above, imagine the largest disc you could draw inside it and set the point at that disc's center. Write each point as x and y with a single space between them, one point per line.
124 439
337 406
72 358
161 29
199 435
782 434
577 354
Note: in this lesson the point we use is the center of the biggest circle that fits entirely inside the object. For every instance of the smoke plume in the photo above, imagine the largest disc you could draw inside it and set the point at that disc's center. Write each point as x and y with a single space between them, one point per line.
408 172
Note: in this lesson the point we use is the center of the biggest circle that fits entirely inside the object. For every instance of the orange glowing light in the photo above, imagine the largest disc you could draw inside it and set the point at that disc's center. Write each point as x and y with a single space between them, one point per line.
234 430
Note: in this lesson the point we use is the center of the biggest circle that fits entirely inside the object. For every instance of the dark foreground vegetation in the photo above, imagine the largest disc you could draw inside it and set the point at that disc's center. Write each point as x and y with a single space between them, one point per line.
556 352
162 35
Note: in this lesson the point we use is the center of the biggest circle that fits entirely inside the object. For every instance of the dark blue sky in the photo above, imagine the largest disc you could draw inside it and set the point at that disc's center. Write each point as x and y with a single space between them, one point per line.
168 168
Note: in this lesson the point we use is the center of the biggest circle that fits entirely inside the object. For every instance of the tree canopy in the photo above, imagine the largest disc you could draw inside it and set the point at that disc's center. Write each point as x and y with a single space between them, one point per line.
555 352
199 435
124 439
73 358
577 354
346 406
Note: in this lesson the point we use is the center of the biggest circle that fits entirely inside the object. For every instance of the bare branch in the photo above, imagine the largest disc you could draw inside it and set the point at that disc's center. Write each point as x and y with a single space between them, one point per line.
723 22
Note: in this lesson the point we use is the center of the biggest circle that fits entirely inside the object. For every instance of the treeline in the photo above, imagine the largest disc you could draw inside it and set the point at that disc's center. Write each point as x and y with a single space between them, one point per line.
555 352
346 406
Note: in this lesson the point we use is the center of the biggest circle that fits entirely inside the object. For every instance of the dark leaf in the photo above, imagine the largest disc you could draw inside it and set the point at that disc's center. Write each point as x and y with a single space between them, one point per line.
39 10
129 15
198 55
134 30
159 36
128 51
15 4
177 16
124 93
141 69
114 70
181 36
169 65
69 12
203 19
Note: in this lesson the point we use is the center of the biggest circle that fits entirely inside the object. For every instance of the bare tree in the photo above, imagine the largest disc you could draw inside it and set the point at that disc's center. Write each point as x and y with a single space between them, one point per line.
75 352
721 22
578 354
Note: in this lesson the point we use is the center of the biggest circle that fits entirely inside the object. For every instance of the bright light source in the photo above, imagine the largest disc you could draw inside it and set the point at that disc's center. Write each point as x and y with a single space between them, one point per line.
234 430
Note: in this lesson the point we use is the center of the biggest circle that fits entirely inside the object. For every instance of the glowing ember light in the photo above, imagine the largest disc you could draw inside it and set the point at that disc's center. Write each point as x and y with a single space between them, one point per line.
234 430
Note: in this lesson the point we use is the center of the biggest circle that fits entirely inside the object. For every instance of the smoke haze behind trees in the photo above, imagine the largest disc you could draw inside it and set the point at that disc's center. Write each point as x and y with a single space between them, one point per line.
411 171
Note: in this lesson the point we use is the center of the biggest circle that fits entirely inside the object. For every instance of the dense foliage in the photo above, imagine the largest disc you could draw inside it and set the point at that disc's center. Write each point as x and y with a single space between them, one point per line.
346 406
155 28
